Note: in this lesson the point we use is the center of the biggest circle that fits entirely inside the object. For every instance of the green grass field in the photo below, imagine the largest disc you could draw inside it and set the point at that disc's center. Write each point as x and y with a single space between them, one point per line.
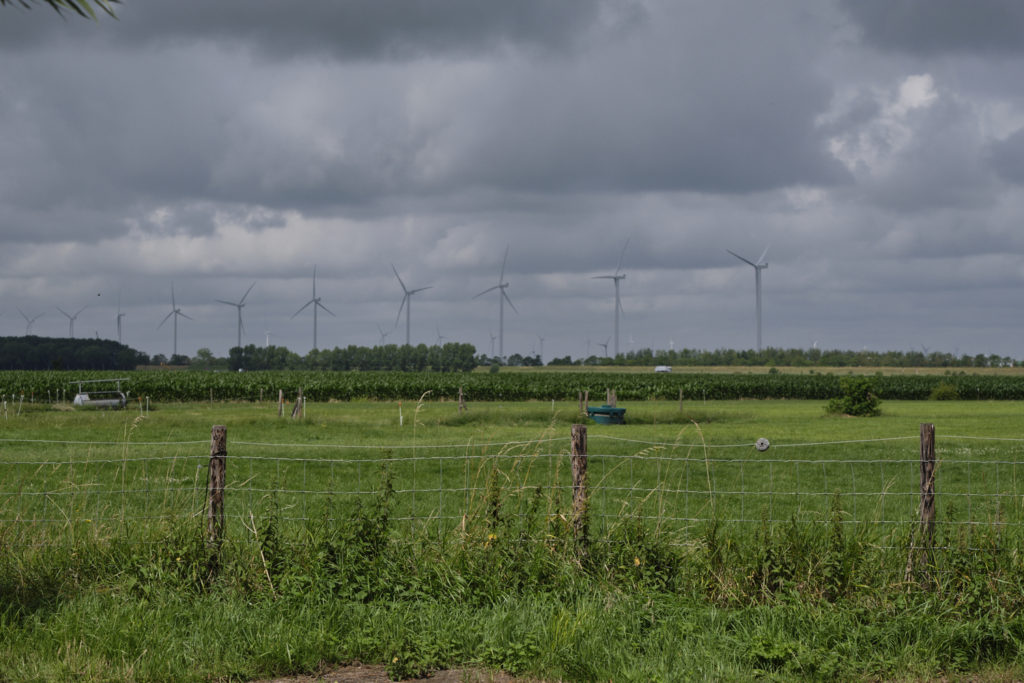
447 540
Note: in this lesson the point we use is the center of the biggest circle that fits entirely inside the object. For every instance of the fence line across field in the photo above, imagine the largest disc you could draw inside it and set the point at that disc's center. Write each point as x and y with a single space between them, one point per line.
670 490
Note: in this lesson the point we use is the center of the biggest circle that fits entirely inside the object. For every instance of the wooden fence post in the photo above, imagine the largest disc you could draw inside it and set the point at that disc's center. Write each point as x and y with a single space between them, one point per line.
215 488
298 410
280 402
462 401
580 512
921 543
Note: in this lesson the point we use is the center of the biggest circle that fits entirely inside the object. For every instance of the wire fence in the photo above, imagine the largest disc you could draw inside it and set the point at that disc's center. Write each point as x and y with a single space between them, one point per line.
55 491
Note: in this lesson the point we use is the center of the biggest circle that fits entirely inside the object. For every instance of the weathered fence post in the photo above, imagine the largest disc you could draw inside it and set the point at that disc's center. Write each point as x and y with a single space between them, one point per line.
680 399
462 401
579 400
215 488
580 512
299 409
922 542
586 399
280 402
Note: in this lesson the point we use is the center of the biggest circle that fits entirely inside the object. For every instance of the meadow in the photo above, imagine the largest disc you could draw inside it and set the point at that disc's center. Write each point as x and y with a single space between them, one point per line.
413 535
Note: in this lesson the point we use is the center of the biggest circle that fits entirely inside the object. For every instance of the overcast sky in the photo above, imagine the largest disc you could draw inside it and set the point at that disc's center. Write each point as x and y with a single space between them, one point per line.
875 147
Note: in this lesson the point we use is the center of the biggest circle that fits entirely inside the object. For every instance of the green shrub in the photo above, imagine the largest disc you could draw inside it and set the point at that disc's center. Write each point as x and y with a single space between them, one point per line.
944 392
858 398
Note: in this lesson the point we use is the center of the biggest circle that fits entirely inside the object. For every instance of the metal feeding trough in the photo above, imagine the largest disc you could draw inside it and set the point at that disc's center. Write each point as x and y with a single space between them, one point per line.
606 415
101 397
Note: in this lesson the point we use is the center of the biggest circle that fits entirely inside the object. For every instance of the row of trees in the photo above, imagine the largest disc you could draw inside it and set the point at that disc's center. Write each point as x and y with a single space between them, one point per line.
451 357
49 353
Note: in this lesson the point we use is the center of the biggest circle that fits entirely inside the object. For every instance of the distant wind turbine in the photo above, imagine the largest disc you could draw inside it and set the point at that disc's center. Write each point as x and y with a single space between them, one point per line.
29 321
616 278
239 305
383 335
605 346
71 319
120 316
440 337
758 266
315 303
175 312
541 349
502 298
406 303
493 337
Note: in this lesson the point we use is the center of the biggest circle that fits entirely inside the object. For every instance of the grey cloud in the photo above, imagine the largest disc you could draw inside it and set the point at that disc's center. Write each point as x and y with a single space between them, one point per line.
354 29
1007 157
931 27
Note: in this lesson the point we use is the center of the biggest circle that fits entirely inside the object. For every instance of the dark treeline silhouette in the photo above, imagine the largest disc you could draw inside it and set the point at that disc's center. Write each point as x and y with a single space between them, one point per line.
797 358
50 353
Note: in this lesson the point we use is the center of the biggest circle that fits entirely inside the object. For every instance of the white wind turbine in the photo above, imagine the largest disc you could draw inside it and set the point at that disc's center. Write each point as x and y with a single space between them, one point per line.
315 303
440 337
502 298
29 321
383 335
71 319
120 316
616 278
175 312
239 305
406 303
541 349
493 337
758 266
604 346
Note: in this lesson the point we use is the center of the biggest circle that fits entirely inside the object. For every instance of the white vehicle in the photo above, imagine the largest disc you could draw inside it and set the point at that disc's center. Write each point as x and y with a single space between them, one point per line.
663 368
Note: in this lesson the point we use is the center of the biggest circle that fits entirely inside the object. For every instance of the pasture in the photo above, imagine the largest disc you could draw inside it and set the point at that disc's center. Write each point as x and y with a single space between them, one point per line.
432 538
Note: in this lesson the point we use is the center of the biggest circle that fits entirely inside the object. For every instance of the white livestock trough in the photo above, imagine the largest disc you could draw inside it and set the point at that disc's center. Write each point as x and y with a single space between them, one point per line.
107 394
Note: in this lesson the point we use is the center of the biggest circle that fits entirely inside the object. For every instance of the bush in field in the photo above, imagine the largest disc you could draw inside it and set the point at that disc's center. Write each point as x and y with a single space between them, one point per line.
858 398
944 392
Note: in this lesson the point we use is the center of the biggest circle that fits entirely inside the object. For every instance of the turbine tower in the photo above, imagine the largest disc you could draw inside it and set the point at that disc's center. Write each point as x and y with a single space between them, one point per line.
120 315
29 321
541 349
315 302
383 335
758 266
616 278
175 312
71 320
604 346
240 305
406 303
502 298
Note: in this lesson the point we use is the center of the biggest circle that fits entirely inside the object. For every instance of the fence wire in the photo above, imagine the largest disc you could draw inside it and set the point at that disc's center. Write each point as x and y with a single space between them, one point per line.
100 488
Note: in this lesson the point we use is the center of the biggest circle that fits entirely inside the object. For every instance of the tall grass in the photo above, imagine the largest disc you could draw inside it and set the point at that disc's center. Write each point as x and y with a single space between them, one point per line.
492 575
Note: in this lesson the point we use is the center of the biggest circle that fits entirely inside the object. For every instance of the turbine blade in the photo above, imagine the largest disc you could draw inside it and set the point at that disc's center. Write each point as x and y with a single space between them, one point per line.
421 289
23 315
229 303
619 266
302 309
399 278
325 308
604 277
505 294
246 293
763 254
164 320
400 307
490 289
184 315
62 311
173 303
80 310
501 277
747 261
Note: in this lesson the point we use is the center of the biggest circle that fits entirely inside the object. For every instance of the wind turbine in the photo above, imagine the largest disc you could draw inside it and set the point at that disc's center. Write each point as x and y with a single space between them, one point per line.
758 266
383 335
29 321
175 311
541 349
240 305
406 303
604 346
315 302
502 298
71 319
440 337
120 315
493 337
616 278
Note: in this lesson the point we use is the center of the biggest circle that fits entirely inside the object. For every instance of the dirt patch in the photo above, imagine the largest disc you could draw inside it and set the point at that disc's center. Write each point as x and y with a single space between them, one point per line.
364 673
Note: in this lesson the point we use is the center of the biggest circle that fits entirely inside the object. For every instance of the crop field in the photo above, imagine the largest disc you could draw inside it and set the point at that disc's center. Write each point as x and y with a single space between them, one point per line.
410 533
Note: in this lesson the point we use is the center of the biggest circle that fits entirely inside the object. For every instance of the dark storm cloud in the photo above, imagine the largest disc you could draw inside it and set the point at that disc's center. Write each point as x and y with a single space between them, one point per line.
353 29
931 27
